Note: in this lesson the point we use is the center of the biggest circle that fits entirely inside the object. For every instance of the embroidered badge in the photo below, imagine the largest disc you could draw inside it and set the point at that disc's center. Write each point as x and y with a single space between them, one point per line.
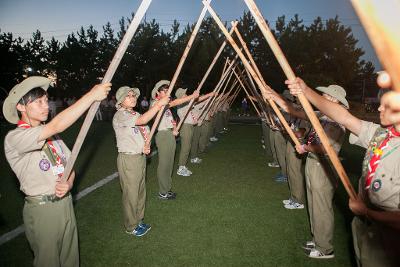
44 165
136 130
376 185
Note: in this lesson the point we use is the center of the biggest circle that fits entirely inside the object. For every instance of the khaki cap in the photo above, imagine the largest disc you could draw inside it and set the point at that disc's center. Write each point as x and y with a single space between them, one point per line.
180 92
336 91
157 86
123 91
18 91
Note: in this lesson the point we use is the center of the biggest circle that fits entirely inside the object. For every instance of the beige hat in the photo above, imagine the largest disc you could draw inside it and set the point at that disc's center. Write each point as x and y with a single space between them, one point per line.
157 86
180 92
336 91
18 91
123 91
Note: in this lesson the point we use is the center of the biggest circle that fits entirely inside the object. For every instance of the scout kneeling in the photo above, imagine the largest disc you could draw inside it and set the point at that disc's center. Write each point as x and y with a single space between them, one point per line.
132 143
37 156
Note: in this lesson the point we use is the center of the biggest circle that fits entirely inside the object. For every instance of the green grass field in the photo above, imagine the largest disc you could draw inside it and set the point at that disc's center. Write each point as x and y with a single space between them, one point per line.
228 213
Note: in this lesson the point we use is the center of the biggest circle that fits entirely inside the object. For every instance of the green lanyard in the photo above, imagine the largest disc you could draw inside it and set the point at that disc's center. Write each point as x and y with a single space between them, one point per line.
390 152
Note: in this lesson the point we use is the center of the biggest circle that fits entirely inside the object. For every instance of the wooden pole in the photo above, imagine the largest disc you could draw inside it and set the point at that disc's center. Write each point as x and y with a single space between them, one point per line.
205 111
107 78
268 108
191 103
381 21
303 100
216 89
253 73
178 70
263 89
261 102
247 93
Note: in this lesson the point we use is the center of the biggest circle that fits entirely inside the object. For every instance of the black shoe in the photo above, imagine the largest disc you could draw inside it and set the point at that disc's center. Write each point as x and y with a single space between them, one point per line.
172 194
166 196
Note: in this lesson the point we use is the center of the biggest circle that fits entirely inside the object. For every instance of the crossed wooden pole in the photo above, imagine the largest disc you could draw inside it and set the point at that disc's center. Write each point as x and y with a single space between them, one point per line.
191 103
107 78
178 70
303 100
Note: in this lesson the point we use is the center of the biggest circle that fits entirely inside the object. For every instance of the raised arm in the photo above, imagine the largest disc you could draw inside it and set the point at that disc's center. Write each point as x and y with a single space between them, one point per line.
147 116
286 106
182 100
333 110
68 116
204 97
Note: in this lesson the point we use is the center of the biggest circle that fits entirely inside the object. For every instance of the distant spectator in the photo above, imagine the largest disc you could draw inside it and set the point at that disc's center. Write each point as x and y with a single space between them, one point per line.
144 104
245 107
52 107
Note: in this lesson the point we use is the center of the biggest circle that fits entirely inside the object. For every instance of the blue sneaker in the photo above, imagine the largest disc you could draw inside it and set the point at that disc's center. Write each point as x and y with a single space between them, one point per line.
138 231
144 226
280 178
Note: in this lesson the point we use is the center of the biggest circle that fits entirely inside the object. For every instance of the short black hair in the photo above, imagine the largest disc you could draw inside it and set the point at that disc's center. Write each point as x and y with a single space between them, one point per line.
32 95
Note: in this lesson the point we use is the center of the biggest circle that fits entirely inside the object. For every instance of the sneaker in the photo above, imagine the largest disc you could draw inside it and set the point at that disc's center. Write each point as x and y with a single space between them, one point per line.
294 205
138 231
187 170
262 141
273 165
144 225
225 129
196 160
171 194
309 245
213 139
263 146
287 201
183 171
280 178
316 254
166 196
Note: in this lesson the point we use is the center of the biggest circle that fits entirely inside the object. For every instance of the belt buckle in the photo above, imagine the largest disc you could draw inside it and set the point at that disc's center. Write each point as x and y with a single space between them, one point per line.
50 198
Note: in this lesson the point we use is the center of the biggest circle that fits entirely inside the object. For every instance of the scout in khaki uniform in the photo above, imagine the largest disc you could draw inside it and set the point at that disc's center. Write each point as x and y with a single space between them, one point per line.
195 146
38 157
294 167
131 138
376 229
320 178
165 139
187 130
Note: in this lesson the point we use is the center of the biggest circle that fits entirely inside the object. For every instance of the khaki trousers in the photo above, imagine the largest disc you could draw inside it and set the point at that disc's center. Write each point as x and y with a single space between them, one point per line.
320 192
50 228
280 149
295 173
166 146
272 144
194 149
204 136
132 178
375 245
265 133
186 134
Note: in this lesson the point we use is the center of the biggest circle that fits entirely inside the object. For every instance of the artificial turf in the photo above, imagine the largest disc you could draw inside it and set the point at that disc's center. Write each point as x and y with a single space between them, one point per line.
228 213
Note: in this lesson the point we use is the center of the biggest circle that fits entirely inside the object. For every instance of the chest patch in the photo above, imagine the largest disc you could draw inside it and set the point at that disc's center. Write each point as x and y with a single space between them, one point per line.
376 185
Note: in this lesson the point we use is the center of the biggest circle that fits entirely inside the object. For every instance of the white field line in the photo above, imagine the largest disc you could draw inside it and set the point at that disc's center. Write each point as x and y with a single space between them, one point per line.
20 229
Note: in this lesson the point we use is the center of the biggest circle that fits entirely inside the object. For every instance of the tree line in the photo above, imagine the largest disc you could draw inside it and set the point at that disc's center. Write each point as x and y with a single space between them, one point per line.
323 52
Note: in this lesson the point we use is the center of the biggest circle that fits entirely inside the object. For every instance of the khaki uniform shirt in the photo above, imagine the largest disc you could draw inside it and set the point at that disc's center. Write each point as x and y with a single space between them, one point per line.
31 164
167 120
129 136
190 118
334 131
384 191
